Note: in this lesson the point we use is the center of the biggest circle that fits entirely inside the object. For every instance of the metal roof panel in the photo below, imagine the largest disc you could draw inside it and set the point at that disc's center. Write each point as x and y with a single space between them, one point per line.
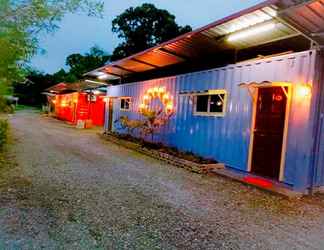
293 18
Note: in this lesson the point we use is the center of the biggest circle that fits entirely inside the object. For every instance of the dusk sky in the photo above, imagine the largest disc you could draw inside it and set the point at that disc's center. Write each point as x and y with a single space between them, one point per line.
78 33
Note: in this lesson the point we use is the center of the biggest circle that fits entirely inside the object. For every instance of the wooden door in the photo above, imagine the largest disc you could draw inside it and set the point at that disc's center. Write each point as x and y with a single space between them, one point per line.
110 114
269 131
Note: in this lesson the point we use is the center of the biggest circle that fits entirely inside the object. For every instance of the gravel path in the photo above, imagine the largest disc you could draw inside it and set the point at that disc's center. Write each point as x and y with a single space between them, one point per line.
71 190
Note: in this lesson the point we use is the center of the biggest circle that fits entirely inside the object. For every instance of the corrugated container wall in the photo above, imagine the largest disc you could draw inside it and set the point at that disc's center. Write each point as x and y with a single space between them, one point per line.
226 139
318 174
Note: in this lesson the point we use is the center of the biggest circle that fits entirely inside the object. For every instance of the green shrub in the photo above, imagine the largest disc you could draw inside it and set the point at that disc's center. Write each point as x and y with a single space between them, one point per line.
4 127
5 106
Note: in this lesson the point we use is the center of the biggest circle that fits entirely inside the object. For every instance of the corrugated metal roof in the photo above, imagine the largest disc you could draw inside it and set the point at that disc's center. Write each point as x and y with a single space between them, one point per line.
307 16
289 18
73 87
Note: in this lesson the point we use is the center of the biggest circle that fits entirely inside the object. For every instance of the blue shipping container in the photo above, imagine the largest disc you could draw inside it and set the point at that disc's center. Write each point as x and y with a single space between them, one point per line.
227 138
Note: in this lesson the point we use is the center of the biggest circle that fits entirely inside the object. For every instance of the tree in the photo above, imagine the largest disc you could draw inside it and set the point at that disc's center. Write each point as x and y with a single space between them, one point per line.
80 64
30 91
144 27
22 21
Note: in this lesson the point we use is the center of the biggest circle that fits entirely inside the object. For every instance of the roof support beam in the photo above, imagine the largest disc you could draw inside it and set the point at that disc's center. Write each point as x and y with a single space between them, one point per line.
122 68
298 30
321 33
296 6
146 63
182 57
113 74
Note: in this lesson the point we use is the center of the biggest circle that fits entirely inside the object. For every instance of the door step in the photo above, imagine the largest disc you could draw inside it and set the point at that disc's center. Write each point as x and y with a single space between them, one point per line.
258 182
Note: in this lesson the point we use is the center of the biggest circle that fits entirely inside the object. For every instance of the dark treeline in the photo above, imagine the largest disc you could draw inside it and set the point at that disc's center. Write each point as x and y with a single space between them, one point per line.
138 28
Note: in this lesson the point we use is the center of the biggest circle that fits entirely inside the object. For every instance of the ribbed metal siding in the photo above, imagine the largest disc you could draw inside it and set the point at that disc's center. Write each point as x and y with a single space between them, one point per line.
227 139
318 175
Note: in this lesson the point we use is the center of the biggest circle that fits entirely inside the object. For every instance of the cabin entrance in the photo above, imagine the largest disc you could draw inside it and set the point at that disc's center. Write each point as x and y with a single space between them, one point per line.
269 129
110 114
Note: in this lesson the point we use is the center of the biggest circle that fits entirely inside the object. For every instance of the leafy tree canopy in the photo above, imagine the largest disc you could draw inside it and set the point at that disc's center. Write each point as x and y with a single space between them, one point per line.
21 23
144 27
80 64
30 91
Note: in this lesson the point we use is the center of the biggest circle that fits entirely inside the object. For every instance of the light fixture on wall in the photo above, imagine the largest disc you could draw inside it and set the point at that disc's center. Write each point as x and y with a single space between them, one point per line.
303 90
253 31
160 93
102 76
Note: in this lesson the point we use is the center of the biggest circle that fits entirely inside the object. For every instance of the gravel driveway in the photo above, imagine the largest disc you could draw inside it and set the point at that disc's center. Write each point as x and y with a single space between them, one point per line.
71 190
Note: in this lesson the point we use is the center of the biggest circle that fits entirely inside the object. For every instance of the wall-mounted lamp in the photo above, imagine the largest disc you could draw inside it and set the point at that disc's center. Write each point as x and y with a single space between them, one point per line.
303 90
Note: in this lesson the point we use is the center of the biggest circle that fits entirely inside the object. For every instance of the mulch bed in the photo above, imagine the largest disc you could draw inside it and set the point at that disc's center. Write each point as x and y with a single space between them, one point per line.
170 155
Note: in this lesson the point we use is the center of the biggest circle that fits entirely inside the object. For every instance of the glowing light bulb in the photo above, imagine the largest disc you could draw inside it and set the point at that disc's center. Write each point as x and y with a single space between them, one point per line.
166 97
155 91
304 91
253 31
161 90
150 91
169 106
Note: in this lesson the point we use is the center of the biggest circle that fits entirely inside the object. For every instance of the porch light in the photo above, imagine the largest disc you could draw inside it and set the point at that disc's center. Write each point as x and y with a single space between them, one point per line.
103 76
252 32
303 91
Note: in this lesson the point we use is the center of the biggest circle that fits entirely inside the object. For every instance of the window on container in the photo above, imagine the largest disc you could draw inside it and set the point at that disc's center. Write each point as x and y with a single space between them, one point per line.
211 104
125 103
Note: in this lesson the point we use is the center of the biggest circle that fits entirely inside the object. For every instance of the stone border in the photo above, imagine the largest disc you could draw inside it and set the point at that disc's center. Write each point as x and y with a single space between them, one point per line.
173 160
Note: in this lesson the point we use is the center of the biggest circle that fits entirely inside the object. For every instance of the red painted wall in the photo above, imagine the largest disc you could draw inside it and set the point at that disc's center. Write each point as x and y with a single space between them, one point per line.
76 106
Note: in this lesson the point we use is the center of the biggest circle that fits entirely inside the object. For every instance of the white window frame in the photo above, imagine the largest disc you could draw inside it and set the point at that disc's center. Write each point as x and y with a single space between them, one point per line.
209 94
129 103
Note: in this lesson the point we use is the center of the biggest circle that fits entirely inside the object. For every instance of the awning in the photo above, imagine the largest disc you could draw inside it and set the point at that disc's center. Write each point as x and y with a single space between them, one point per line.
253 86
264 84
62 88
282 19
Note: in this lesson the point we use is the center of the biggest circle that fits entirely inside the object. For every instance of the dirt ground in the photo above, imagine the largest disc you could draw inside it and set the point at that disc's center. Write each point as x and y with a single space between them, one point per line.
63 188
